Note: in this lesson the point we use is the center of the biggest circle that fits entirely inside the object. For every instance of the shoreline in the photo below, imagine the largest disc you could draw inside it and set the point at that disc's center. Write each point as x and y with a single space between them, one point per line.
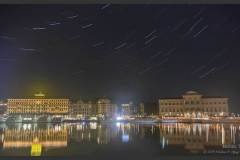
129 121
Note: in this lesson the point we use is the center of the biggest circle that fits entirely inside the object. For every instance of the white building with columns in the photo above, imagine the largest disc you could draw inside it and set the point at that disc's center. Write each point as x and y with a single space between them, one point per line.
193 104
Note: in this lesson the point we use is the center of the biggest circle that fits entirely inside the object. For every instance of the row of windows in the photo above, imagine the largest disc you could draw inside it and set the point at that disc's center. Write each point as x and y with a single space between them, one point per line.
37 110
30 110
46 110
42 109
39 107
172 103
76 109
184 110
191 102
80 107
38 99
82 111
38 103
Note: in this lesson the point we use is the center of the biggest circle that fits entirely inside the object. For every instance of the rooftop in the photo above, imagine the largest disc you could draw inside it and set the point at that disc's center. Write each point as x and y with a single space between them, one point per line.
192 93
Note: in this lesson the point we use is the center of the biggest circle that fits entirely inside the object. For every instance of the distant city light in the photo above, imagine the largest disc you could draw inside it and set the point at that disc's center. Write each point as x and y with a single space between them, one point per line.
27 119
118 124
93 118
119 118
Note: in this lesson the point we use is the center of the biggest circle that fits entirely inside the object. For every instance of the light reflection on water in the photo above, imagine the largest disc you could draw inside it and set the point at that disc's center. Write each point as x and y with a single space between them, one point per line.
165 138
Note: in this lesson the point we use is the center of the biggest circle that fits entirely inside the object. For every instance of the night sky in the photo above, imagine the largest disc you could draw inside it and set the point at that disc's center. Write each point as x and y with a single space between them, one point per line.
124 52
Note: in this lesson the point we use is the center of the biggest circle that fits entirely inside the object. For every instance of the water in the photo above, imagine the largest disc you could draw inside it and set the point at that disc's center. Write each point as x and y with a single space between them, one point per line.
119 140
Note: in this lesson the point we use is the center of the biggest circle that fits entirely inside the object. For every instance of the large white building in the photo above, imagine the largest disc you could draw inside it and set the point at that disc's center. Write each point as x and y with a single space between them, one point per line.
37 105
193 104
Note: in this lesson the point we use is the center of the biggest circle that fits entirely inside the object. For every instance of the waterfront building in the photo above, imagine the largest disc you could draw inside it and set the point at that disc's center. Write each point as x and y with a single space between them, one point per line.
3 107
38 105
130 108
126 109
193 104
134 108
82 109
141 109
106 108
151 108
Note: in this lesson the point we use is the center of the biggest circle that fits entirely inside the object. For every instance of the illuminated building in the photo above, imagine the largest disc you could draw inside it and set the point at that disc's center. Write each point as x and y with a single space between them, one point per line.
126 109
3 107
106 108
193 104
38 105
81 108
141 109
103 107
2 103
132 109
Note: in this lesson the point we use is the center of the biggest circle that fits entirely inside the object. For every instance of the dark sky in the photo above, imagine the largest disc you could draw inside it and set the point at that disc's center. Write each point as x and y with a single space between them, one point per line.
125 52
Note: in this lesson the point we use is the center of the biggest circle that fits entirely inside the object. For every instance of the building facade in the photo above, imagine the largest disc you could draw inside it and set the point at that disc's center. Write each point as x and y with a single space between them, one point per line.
151 108
38 105
82 109
141 109
130 109
193 104
106 108
125 109
3 107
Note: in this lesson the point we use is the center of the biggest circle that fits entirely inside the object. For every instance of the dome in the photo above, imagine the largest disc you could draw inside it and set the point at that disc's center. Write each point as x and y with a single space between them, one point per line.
192 93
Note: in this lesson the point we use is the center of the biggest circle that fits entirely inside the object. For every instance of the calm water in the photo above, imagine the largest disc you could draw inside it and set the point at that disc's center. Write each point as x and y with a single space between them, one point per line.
121 140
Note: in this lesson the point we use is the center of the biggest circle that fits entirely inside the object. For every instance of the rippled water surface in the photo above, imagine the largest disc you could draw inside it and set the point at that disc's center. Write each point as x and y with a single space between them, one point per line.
121 140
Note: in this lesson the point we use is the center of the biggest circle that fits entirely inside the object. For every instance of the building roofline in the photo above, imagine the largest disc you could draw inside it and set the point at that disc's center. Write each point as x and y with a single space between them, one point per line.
164 98
37 98
214 97
179 98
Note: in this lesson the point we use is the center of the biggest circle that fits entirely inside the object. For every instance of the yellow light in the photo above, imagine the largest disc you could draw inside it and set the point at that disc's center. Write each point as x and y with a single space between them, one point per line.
39 95
36 148
38 102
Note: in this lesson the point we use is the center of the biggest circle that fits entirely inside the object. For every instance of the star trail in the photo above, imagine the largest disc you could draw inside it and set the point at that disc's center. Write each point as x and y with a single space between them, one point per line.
126 52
